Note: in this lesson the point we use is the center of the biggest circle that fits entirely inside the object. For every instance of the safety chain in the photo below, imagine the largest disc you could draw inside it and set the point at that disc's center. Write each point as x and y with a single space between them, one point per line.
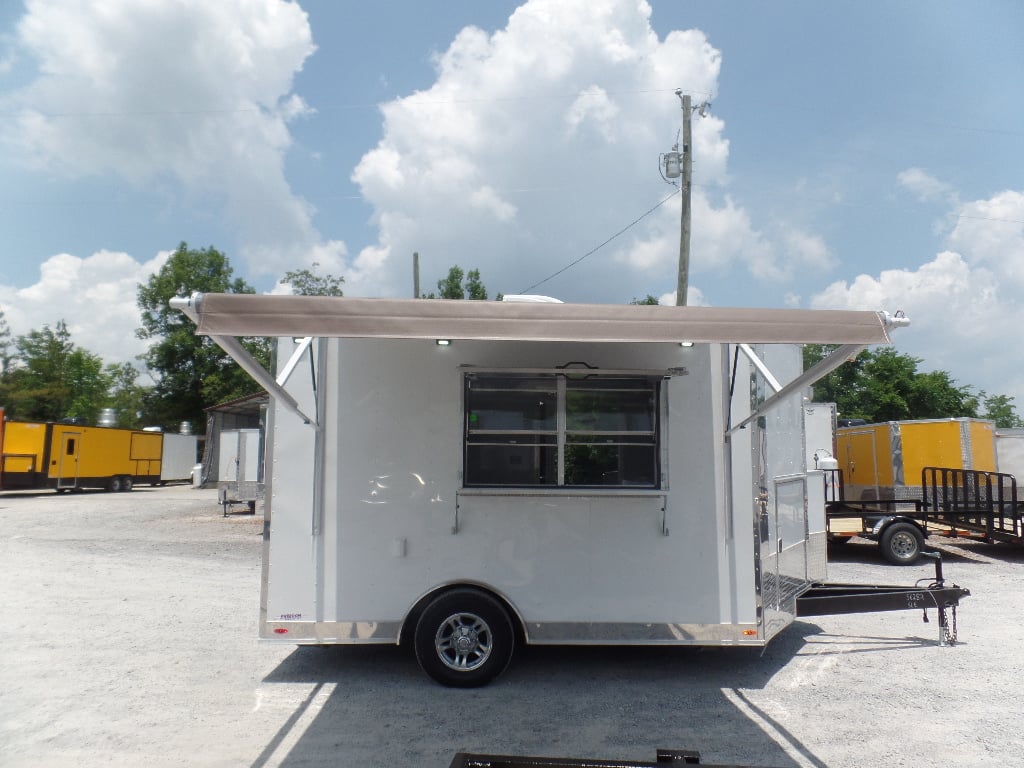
948 628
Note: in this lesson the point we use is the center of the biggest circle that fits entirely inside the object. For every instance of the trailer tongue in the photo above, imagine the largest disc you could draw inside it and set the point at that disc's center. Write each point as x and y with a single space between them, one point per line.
831 599
465 476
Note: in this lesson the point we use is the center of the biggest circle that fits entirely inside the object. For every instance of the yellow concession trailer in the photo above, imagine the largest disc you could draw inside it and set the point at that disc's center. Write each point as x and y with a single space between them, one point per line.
901 481
885 461
37 455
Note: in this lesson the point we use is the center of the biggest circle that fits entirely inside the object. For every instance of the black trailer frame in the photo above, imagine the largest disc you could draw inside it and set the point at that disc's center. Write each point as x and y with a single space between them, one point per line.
664 757
832 599
954 503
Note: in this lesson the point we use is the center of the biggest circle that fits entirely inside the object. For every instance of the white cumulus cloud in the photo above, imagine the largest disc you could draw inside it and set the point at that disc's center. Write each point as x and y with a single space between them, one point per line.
538 143
192 92
964 304
533 145
95 296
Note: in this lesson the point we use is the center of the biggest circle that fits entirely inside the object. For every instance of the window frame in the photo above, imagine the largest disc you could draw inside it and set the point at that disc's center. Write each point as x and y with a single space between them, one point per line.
645 381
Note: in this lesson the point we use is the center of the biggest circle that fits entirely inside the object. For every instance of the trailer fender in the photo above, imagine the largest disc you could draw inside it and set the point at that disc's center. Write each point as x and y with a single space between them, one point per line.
408 627
900 538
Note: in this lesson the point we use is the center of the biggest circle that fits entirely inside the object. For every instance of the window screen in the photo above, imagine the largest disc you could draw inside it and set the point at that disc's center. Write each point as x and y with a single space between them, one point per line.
559 430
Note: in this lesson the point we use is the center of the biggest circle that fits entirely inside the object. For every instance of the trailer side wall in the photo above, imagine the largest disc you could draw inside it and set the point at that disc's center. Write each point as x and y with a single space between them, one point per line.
884 461
395 521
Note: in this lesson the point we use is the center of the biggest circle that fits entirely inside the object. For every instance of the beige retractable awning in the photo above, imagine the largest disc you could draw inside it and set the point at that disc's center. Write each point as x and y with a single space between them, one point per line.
325 316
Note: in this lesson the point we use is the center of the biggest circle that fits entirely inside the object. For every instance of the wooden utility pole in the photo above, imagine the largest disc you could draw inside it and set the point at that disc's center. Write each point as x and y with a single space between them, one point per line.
683 283
416 274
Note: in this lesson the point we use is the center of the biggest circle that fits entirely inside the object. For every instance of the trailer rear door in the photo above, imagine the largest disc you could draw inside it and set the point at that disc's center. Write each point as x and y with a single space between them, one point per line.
859 461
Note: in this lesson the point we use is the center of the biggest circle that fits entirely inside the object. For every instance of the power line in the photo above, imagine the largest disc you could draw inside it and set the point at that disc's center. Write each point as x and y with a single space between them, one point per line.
415 99
571 264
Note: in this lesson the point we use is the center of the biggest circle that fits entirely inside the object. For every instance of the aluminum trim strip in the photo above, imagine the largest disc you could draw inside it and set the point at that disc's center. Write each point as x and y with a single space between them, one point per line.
331 632
537 633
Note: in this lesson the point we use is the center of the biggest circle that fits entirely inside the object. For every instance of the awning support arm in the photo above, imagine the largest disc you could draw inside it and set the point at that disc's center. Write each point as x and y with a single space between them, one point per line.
189 305
251 366
808 377
761 367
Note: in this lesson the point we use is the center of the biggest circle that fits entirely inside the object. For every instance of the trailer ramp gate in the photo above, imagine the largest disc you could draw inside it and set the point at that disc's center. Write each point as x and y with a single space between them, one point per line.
664 757
975 501
967 503
832 599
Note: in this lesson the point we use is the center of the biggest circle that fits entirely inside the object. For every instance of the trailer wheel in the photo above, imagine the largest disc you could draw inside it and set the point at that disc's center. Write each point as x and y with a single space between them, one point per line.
126 483
114 484
902 543
464 639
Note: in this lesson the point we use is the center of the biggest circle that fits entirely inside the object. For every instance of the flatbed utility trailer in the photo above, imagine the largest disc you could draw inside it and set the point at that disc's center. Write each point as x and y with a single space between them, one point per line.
970 503
465 476
915 479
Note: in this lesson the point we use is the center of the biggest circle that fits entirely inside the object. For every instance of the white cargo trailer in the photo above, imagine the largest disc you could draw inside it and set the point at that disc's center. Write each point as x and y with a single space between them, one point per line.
464 476
179 457
1010 452
240 468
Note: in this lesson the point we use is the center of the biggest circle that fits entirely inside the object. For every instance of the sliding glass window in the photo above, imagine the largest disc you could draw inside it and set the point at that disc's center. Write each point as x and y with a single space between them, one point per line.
552 430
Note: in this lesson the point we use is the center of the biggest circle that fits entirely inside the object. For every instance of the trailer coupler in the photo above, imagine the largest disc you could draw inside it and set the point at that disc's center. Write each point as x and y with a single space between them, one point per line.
831 599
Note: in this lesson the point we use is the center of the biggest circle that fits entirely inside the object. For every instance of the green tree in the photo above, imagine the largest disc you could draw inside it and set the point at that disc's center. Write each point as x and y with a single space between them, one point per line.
306 282
38 382
50 378
191 371
87 385
999 408
885 385
474 287
460 285
647 300
5 344
450 287
126 396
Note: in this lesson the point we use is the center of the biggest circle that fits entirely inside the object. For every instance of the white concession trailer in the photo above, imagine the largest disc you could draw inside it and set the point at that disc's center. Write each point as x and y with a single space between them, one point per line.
464 476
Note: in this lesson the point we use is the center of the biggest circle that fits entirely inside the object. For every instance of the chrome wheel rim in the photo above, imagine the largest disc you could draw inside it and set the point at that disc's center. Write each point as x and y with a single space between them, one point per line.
904 545
463 642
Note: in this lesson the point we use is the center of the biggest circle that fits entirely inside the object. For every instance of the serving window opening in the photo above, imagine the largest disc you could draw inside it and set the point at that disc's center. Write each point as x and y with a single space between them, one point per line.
561 430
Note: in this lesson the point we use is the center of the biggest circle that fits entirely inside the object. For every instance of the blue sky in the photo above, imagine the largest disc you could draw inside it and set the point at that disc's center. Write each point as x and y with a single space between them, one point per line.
855 155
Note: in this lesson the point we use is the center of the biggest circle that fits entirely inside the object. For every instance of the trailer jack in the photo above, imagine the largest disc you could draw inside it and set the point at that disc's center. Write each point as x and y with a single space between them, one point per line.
831 599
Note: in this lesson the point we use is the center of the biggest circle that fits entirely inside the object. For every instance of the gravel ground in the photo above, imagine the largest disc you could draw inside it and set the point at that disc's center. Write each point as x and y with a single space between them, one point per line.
128 638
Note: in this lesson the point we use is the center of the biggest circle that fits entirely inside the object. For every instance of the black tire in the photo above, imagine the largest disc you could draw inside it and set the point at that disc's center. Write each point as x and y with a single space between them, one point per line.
464 639
902 543
114 484
126 483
